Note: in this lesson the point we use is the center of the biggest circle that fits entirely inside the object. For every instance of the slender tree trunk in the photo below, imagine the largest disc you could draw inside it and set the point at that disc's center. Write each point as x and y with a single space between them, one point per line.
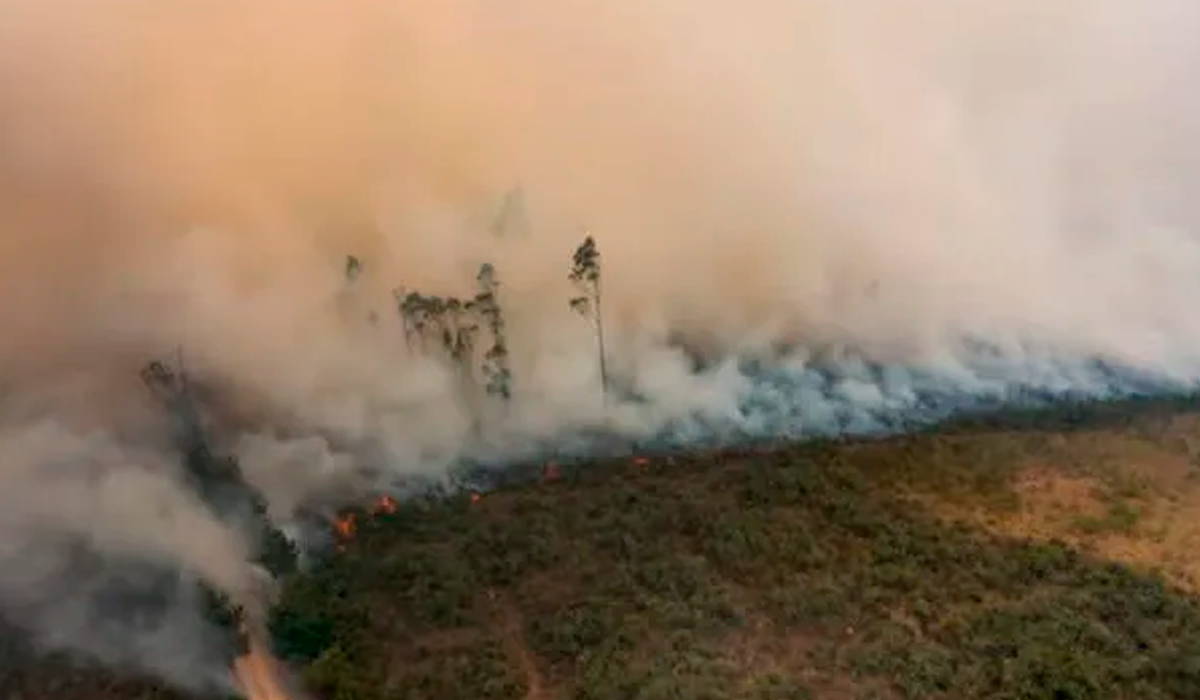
463 356
600 342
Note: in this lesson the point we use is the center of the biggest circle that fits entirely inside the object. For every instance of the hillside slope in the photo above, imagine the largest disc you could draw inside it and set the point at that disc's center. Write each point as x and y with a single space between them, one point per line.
1055 562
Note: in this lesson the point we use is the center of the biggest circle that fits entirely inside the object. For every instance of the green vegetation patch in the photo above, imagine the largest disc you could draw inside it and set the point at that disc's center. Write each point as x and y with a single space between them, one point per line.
648 583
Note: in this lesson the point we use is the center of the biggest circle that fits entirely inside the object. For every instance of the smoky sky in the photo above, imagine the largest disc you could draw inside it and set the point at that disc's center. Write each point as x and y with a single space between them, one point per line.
891 200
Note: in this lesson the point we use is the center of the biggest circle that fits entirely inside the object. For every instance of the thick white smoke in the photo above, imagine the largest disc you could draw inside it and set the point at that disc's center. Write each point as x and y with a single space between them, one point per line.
919 200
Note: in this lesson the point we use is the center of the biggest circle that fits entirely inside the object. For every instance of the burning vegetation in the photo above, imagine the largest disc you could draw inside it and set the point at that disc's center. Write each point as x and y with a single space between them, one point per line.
467 334
444 327
345 525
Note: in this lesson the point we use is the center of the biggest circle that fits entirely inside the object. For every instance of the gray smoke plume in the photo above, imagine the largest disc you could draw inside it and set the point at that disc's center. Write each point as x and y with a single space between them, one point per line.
815 216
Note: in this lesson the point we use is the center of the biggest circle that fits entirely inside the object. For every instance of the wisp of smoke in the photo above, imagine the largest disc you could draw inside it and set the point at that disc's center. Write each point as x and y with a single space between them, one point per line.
856 214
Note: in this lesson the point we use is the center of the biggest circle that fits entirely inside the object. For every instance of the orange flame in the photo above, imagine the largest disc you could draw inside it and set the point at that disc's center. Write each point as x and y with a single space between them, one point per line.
258 674
345 526
386 504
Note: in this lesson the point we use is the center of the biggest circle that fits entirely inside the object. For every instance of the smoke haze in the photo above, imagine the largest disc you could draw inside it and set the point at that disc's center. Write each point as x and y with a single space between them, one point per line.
862 212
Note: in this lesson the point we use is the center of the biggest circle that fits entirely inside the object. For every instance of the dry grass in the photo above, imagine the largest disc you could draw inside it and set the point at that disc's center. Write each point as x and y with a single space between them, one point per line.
1127 497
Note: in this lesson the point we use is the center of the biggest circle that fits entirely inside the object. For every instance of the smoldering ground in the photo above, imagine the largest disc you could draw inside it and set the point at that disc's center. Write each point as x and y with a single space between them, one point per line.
860 212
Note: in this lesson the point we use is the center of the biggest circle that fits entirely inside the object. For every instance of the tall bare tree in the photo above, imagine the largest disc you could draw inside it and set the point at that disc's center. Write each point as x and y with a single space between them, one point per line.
585 275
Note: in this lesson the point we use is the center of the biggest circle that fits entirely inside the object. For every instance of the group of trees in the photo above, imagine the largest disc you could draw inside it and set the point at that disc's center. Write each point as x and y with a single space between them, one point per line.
470 333
451 326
